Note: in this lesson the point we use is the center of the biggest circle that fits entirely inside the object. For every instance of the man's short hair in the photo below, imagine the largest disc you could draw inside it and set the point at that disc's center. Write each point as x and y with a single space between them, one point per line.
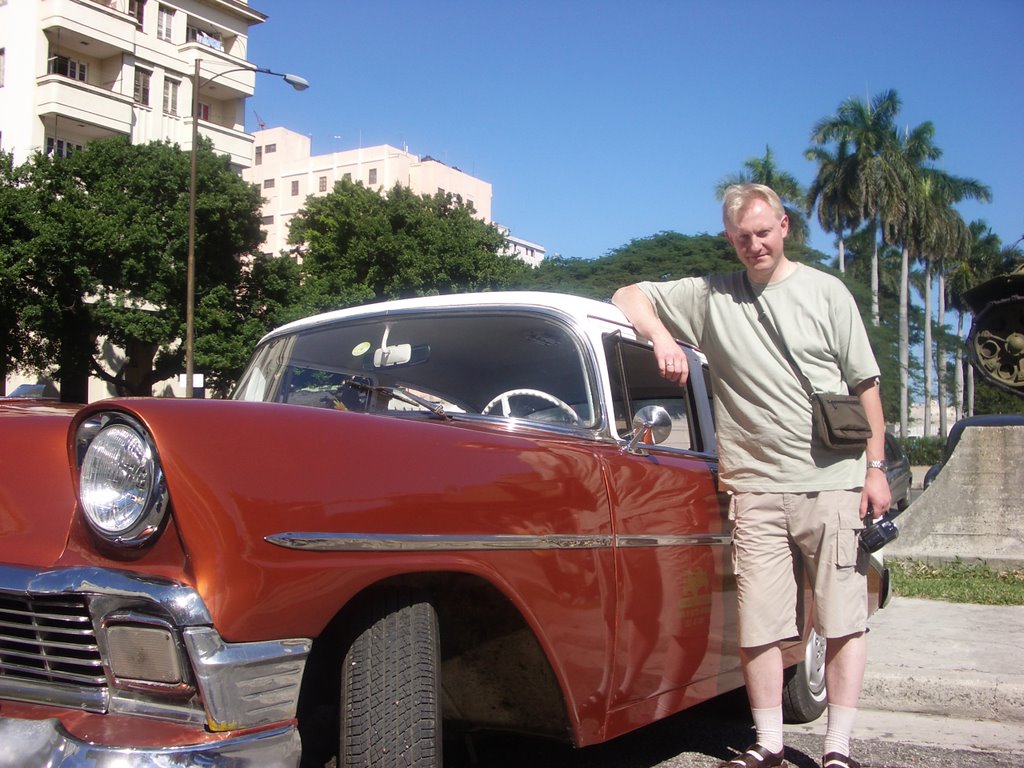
737 196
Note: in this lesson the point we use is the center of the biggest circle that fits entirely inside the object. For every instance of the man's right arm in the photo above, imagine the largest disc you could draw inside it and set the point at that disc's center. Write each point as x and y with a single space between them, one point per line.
640 312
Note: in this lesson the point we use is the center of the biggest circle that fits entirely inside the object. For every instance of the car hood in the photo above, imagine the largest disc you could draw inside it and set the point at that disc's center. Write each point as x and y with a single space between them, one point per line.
37 500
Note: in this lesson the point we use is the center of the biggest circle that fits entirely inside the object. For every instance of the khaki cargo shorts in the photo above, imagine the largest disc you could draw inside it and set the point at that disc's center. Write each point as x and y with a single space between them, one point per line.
781 539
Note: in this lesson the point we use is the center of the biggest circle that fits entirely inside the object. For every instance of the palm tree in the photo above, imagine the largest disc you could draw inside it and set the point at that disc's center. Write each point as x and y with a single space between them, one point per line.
829 193
875 175
916 147
763 170
935 232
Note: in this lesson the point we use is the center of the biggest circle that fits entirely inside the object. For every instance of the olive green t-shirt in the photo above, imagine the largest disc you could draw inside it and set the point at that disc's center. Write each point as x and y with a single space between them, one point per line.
762 413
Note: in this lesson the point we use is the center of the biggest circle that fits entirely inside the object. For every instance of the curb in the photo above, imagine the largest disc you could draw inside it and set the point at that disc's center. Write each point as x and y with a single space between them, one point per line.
952 659
963 696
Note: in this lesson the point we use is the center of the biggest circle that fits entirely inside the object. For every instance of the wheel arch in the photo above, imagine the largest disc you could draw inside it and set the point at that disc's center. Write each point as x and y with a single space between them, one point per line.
495 674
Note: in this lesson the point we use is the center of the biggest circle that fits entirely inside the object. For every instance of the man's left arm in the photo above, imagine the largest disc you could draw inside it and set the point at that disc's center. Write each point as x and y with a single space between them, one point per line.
876 495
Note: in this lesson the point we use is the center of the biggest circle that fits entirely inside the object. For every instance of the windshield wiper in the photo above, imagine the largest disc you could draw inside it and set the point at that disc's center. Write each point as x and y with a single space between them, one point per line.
400 393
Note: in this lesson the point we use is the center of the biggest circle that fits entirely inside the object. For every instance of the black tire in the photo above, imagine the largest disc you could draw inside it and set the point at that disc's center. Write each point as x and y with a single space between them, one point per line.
803 691
391 686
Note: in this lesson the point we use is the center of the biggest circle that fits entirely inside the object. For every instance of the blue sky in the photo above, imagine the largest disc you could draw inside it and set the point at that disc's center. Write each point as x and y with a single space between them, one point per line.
598 122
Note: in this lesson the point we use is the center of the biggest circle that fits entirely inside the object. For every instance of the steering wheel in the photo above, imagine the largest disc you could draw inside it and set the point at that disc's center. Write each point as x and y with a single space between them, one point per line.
503 399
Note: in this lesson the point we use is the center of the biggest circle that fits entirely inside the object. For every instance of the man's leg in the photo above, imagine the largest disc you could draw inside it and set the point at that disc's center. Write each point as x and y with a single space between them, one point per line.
762 673
845 660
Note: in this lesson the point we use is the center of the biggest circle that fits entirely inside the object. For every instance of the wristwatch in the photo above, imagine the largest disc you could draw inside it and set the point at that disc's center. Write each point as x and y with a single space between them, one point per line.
878 464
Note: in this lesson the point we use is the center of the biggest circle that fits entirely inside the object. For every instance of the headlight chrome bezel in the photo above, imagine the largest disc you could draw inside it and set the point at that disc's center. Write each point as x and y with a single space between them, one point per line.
122 492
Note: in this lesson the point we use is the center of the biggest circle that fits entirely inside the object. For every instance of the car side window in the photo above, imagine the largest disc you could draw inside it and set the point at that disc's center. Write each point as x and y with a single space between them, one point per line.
636 383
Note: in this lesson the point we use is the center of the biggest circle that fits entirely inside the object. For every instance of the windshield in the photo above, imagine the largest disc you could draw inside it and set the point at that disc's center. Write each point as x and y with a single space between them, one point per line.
497 363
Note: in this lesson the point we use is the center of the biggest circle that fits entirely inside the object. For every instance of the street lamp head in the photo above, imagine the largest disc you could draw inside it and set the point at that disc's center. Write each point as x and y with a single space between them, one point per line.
296 82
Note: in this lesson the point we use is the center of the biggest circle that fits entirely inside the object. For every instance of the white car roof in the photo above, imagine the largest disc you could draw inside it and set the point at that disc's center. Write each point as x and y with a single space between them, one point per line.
574 307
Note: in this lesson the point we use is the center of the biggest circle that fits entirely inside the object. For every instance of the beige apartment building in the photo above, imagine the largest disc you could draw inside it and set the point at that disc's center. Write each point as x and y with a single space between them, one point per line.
286 171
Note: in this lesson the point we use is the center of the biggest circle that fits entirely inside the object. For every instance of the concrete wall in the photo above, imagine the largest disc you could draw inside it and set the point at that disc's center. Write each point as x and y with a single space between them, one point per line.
974 510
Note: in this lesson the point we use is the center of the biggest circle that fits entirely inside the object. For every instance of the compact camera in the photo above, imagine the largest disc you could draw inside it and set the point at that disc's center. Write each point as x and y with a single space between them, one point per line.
878 533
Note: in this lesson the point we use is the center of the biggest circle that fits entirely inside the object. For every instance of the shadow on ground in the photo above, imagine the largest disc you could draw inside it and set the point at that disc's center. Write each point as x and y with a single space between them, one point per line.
700 736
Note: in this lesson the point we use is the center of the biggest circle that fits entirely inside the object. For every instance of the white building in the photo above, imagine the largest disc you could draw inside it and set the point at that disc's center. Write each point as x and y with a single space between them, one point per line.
286 171
78 70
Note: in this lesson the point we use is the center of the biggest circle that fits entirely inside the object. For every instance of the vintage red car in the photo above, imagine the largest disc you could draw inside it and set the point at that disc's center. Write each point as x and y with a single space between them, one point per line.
483 511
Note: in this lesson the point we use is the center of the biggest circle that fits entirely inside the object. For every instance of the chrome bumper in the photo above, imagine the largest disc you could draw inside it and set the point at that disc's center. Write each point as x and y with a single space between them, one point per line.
39 743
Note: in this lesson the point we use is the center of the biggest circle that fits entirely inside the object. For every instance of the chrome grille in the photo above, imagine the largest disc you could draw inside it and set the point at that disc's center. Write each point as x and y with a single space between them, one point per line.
48 651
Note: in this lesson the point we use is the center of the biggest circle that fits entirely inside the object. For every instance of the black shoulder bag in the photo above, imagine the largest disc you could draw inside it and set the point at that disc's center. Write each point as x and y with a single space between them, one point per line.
838 422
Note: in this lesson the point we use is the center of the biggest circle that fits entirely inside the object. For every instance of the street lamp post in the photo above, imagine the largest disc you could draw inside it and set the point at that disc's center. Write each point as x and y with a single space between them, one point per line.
296 82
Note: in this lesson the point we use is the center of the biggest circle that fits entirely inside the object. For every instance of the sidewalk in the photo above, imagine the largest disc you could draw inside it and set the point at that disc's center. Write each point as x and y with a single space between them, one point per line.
952 659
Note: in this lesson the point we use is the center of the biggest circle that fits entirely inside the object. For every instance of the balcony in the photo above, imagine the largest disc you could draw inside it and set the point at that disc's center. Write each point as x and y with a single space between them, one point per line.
74 100
237 145
238 83
90 28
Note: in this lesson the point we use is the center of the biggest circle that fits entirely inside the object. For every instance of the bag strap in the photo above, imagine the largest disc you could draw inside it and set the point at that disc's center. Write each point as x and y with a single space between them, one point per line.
773 334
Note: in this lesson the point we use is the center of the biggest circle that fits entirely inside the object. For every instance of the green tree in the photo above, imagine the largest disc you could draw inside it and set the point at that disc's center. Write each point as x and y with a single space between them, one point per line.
935 233
108 259
231 320
763 170
876 176
14 235
829 194
357 246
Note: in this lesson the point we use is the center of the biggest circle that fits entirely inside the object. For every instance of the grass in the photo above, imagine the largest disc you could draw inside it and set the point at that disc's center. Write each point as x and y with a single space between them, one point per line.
957 582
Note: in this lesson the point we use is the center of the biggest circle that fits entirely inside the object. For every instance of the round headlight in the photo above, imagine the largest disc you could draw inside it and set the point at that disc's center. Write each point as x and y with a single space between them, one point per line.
121 485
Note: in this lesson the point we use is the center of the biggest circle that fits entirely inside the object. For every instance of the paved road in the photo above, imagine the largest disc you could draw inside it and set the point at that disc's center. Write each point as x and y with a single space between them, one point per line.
944 687
709 734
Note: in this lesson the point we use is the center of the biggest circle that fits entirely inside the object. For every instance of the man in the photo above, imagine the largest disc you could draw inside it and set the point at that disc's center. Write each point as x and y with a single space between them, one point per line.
790 498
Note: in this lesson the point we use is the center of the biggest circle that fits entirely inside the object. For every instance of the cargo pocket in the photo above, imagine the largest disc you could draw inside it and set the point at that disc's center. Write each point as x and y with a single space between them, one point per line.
848 537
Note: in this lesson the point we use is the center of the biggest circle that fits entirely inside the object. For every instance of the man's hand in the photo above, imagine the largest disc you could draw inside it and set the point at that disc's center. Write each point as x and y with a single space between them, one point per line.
876 495
671 361
640 312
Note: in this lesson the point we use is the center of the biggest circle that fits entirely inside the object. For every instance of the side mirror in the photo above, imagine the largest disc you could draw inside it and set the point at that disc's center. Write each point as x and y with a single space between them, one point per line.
651 425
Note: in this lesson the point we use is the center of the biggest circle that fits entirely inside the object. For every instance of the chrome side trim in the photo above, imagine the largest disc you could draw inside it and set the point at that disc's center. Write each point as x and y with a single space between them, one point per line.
247 684
674 540
398 542
394 542
45 742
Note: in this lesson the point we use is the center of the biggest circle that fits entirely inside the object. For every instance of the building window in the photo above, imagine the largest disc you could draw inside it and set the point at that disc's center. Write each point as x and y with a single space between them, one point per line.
201 36
62 65
170 97
142 86
259 155
323 183
347 177
135 9
3 59
164 22
61 148
271 148
204 112
373 176
268 183
267 220
295 188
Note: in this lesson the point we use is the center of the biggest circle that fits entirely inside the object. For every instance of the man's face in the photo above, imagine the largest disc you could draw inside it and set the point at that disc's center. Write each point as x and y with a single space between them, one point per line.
757 235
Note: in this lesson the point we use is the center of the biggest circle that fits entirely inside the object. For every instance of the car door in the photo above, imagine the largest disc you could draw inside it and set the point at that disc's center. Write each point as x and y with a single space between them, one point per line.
676 619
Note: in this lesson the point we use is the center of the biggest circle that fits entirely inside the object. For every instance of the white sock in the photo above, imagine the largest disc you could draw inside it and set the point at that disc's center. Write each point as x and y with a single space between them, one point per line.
840 726
768 723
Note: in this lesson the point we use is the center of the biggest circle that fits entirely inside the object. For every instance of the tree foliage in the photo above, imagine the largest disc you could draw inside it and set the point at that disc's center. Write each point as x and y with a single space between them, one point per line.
105 258
357 246
14 237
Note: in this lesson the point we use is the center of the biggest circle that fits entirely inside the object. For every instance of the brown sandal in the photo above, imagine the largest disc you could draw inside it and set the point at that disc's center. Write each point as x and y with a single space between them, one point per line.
838 760
757 756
